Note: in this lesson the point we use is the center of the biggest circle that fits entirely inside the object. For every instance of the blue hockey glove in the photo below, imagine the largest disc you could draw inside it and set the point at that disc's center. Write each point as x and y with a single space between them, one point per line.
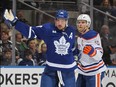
9 17
88 49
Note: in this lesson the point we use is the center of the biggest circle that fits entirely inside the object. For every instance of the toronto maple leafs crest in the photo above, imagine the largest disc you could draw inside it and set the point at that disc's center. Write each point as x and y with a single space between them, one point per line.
62 46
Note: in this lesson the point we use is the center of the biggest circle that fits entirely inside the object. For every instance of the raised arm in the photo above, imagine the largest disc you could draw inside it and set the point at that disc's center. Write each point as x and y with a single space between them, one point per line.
26 30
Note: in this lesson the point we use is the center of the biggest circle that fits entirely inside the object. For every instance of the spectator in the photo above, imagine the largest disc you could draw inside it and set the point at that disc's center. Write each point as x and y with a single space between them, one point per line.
21 17
7 57
27 60
21 46
43 55
39 42
112 21
100 18
6 43
106 7
106 40
31 43
4 27
105 3
113 10
113 57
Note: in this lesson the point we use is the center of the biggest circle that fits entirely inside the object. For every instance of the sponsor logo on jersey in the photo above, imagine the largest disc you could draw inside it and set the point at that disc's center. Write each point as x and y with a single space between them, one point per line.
53 31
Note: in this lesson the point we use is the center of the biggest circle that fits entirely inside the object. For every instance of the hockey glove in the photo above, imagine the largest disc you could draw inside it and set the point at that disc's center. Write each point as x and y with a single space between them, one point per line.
10 17
88 49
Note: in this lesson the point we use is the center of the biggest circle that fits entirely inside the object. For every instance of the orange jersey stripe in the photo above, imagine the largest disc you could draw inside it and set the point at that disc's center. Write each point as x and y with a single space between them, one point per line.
91 67
98 81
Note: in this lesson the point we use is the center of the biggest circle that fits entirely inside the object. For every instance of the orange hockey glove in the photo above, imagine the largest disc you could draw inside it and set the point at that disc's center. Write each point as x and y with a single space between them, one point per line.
88 49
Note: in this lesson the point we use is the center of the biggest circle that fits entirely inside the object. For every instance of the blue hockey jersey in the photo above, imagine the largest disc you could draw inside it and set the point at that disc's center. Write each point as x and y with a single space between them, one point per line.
59 44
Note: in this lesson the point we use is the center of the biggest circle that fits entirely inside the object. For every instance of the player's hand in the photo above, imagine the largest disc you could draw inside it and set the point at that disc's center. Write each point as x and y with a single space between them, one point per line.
88 49
10 17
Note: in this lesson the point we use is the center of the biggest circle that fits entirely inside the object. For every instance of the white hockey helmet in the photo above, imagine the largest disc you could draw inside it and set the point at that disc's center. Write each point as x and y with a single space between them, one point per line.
85 17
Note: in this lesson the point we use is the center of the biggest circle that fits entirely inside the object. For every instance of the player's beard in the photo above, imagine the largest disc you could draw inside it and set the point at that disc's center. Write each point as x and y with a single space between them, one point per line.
60 27
83 30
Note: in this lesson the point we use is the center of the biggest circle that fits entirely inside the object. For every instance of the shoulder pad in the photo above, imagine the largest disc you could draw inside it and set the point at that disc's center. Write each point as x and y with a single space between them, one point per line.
48 25
90 34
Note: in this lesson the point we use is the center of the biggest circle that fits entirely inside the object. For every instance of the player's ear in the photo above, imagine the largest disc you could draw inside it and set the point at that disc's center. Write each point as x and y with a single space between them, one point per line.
87 26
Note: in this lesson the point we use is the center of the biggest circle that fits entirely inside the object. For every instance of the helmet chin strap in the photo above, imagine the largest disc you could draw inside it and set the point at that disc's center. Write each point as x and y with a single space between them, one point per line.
66 23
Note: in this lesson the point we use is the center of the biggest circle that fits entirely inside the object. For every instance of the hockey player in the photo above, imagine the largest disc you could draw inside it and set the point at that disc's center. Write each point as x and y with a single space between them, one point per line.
90 65
59 38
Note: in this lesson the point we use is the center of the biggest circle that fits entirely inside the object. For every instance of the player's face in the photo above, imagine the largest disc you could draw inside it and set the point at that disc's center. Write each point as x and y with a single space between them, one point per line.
60 23
82 26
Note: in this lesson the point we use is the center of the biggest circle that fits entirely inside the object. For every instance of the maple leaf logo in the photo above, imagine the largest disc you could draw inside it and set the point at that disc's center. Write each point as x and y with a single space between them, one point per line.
61 46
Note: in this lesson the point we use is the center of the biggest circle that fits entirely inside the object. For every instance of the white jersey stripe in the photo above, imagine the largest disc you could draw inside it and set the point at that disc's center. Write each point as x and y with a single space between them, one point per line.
60 65
29 32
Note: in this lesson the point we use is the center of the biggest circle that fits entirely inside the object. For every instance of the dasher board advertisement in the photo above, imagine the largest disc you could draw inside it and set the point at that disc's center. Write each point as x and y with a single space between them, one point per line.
26 76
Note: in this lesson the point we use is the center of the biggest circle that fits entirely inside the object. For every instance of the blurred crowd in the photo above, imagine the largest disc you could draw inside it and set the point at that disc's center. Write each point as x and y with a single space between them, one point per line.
28 52
32 52
107 30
